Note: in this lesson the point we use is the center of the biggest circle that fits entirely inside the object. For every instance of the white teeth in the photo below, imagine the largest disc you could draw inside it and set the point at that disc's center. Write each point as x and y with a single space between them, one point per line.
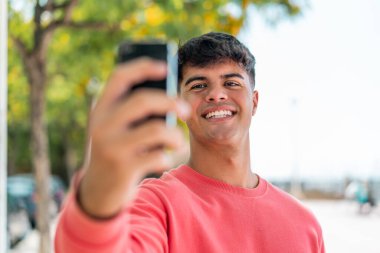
218 114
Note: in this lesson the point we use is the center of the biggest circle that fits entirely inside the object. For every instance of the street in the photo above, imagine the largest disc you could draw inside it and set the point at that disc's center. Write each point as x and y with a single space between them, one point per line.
345 231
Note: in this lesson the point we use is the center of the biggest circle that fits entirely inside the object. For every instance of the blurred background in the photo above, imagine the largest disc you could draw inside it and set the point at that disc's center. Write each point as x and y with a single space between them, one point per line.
316 133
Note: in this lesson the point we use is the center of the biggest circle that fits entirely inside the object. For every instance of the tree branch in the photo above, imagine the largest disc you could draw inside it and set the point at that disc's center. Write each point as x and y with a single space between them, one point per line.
43 35
68 9
93 25
52 6
60 6
49 6
80 25
48 31
37 13
21 47
26 57
38 33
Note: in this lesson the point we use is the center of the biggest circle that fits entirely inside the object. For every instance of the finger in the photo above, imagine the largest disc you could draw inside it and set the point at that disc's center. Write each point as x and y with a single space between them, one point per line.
155 161
145 138
127 74
143 104
154 134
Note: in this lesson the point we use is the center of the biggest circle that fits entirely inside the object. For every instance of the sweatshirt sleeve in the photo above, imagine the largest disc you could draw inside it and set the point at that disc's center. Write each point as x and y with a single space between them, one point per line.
322 245
138 228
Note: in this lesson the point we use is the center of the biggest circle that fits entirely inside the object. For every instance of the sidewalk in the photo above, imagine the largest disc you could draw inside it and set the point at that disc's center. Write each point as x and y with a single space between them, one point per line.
344 229
30 243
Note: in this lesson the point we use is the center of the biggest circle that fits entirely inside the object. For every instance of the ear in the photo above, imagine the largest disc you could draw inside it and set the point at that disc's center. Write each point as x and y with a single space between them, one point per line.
255 100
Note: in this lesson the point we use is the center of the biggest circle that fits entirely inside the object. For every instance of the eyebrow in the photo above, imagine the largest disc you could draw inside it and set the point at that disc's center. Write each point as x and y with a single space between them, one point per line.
202 78
232 75
195 78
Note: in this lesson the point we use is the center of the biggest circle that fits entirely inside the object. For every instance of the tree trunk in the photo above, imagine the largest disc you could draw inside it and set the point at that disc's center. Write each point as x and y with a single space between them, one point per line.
35 67
40 147
71 158
12 153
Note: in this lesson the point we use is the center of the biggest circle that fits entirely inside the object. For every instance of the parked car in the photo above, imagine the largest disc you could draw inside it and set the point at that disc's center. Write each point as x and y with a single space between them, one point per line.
23 186
18 224
58 190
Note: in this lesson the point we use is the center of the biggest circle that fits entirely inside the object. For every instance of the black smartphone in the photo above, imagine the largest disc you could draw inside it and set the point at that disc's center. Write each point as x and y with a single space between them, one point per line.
157 50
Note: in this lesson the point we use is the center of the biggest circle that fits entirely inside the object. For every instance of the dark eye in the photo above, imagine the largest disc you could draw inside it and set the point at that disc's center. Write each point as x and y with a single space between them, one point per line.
198 86
231 84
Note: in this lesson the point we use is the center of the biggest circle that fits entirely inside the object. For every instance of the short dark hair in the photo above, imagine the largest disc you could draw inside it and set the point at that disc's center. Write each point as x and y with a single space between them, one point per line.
214 47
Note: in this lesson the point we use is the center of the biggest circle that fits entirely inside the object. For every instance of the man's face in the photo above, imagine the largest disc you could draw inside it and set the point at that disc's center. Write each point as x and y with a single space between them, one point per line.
222 102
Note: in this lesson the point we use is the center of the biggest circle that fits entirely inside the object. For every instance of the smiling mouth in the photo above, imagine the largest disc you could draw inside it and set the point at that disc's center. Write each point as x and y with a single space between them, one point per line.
218 114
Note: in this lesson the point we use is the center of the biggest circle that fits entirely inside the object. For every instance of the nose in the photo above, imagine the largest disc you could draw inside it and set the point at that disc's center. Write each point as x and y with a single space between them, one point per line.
216 94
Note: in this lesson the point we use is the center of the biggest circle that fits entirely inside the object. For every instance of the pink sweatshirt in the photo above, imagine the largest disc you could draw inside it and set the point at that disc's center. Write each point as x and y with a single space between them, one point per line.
186 212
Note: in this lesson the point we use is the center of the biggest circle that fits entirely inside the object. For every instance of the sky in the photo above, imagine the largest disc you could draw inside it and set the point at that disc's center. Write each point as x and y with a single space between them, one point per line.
318 78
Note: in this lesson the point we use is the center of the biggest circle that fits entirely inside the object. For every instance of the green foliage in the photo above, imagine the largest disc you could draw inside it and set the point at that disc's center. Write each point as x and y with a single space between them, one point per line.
18 114
81 53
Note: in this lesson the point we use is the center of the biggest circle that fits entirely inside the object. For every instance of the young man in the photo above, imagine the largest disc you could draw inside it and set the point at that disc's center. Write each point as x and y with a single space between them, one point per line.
214 203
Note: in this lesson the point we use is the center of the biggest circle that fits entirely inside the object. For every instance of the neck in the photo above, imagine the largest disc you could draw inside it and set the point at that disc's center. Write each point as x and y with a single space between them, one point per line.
224 162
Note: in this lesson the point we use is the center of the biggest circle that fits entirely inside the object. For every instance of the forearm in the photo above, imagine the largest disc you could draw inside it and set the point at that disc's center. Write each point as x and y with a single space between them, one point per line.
98 200
78 233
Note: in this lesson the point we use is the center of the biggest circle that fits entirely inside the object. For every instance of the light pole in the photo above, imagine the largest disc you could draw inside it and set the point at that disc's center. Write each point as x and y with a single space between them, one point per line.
295 184
3 123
